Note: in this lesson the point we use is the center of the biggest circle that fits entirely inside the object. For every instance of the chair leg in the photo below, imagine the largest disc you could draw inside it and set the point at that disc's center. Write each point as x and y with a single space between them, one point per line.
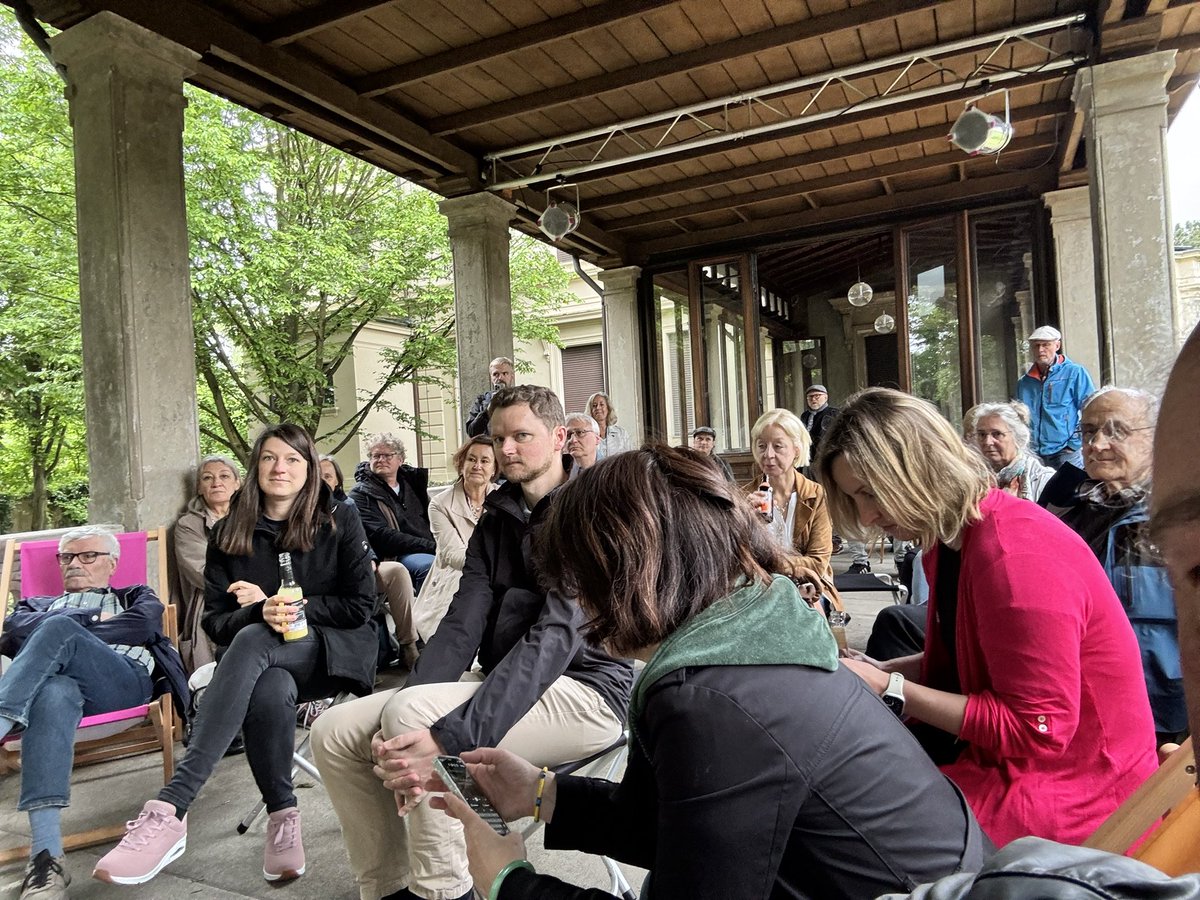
78 841
617 883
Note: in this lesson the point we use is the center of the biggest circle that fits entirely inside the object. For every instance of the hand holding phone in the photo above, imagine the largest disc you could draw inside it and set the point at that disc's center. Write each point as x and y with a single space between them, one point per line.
454 774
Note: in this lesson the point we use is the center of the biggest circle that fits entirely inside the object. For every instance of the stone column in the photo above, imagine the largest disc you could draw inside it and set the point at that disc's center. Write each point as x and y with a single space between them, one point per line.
125 88
623 349
1124 103
1075 273
482 293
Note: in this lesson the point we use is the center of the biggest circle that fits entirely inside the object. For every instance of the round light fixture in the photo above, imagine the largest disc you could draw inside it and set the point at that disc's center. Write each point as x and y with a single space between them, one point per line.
860 294
559 220
809 360
979 133
885 324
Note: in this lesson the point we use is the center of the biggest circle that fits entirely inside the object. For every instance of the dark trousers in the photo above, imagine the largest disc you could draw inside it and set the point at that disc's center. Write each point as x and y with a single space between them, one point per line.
255 688
899 630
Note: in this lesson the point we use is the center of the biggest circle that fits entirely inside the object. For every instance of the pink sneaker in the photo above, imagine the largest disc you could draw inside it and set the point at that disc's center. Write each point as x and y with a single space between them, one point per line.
152 840
283 854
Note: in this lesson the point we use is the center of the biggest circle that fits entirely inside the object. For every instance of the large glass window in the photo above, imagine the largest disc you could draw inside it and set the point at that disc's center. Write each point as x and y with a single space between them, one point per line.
1002 244
722 311
931 282
674 339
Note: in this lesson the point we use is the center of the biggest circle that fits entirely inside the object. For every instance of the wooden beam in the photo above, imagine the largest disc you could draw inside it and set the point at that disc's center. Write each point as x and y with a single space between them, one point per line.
195 25
856 176
1071 147
1130 36
502 44
301 24
824 26
1111 11
1012 185
830 154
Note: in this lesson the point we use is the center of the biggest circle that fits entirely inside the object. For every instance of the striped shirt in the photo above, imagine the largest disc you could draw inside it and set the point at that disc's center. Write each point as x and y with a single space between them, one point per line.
111 604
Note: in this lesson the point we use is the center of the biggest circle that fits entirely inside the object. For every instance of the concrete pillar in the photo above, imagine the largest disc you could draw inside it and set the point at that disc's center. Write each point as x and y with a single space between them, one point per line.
1124 103
1075 272
623 349
482 293
125 88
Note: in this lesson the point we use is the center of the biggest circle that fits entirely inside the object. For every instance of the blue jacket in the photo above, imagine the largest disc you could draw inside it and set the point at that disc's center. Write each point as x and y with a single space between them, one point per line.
1054 403
139 625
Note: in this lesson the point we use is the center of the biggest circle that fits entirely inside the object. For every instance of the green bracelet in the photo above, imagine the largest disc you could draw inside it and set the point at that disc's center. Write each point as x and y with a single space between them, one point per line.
494 893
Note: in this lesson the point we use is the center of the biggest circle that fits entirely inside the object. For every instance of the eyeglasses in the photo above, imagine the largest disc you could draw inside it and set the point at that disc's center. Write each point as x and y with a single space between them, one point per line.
578 433
380 457
87 557
994 435
1115 432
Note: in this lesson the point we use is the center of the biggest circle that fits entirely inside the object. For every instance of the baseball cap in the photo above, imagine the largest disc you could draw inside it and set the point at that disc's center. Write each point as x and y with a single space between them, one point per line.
704 429
814 388
1045 333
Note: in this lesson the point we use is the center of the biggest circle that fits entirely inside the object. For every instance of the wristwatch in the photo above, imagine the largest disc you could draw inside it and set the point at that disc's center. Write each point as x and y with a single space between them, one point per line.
893 695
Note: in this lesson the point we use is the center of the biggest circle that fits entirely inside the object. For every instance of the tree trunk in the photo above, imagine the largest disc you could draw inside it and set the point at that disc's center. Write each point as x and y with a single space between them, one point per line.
38 497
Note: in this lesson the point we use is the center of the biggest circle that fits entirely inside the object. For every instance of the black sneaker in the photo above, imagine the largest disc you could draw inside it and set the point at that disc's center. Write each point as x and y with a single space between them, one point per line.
859 569
46 878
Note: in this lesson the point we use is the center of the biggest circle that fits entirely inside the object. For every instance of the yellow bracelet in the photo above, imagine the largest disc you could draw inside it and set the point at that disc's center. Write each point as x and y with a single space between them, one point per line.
537 801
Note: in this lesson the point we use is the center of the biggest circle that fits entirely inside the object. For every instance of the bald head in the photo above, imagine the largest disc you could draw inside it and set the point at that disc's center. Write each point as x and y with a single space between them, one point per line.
1175 508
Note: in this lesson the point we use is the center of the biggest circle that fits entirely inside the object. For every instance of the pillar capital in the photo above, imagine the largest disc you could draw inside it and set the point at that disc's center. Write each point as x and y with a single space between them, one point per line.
107 42
1068 205
477 211
620 280
1123 85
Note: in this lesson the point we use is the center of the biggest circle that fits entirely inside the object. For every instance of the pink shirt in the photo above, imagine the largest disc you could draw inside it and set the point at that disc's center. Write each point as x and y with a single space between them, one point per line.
1058 727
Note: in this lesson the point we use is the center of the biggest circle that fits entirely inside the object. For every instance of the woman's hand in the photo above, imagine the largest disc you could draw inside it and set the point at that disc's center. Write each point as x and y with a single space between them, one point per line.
247 594
509 782
487 852
280 612
868 670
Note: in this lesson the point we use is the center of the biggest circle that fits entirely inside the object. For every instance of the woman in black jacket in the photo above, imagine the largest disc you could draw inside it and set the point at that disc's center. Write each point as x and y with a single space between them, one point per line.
758 768
283 507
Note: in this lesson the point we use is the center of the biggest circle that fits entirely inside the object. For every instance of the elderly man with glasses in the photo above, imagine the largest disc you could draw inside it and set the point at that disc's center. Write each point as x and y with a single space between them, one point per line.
583 440
92 649
1110 511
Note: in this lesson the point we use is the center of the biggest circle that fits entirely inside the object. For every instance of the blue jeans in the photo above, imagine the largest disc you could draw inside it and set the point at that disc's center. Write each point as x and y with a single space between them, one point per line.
255 688
1066 454
418 565
62 674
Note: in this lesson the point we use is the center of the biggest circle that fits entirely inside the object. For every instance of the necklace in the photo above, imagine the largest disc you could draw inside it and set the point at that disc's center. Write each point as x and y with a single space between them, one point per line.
476 511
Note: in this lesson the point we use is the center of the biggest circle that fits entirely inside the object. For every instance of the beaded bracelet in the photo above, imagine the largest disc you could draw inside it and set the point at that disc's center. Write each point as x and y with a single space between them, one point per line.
537 801
494 893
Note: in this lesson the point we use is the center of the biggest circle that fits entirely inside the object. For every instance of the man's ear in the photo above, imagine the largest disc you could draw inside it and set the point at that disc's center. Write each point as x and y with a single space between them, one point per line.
560 437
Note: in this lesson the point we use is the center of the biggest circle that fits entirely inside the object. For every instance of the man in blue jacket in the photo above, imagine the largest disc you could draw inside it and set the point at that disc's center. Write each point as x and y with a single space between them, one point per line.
1054 389
93 649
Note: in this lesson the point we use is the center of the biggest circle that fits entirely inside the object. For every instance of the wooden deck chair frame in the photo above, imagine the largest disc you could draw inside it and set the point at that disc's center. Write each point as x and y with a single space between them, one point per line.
1168 798
159 726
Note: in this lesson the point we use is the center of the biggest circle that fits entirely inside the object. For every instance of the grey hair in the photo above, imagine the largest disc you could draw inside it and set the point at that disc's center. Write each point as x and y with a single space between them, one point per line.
390 440
226 461
1006 412
1148 401
502 359
91 531
584 417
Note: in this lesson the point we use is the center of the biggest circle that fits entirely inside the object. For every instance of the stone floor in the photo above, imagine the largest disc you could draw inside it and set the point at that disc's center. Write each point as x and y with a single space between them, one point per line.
220 863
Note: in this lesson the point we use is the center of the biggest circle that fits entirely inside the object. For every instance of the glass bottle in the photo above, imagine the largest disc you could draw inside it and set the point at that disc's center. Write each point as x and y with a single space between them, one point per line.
764 501
288 588
837 625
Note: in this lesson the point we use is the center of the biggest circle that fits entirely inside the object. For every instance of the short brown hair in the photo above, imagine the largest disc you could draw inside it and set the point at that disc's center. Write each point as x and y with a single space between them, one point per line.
542 402
460 455
646 540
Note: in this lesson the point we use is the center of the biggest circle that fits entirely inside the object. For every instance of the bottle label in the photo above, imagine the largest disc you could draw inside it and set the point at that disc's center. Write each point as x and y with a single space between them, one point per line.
299 626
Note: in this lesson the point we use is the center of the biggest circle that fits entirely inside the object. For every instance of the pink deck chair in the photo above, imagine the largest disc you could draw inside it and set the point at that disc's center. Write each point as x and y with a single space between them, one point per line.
112 735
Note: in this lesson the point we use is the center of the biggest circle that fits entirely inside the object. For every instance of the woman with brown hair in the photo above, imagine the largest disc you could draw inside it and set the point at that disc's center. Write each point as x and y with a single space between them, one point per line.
284 507
758 767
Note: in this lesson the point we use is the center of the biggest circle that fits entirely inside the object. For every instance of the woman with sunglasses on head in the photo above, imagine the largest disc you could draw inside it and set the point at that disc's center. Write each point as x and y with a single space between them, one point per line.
270 663
758 767
1030 673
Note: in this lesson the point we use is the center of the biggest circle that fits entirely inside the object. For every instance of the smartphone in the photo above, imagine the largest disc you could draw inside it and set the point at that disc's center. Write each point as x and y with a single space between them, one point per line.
453 772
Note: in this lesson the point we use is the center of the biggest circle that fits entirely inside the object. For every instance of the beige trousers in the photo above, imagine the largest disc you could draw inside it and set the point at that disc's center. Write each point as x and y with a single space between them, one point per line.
393 580
425 850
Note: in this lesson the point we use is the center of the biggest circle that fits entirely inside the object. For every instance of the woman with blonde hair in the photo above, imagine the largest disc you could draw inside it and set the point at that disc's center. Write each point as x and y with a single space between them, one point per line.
800 516
1030 669
613 438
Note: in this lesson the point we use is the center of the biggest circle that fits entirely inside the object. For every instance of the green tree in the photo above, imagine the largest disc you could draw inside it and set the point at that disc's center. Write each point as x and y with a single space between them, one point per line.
1187 234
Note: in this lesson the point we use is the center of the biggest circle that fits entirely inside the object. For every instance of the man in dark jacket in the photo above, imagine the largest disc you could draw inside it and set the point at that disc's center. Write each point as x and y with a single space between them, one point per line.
538 691
819 415
501 374
91 650
393 503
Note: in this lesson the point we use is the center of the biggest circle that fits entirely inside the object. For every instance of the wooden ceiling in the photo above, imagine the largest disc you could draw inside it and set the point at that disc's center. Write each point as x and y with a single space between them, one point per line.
433 89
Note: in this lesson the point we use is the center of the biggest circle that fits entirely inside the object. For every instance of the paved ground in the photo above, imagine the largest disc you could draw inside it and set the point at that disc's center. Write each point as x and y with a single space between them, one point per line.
221 864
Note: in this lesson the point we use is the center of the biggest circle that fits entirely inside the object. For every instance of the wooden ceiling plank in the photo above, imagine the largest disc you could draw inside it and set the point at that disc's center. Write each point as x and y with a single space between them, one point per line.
892 141
301 24
192 24
808 29
504 44
867 173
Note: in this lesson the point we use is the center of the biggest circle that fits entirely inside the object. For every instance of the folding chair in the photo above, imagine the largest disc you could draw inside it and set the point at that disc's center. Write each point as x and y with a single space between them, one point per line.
146 728
1169 798
868 582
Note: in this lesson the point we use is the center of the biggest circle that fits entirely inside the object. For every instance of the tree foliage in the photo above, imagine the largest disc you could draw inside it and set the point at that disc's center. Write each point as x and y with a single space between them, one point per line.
1187 234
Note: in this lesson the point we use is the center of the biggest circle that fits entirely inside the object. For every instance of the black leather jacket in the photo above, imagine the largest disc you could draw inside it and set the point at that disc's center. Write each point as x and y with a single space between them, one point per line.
393 528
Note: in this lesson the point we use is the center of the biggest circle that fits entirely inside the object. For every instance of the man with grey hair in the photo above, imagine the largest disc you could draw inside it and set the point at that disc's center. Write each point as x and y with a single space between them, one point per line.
1054 389
583 440
502 374
92 649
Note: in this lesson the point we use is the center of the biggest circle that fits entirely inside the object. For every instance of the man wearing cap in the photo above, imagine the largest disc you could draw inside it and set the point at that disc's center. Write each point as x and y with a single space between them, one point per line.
1054 389
704 440
819 414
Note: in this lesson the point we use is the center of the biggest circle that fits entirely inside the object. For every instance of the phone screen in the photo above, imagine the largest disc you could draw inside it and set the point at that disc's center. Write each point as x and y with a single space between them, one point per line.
453 772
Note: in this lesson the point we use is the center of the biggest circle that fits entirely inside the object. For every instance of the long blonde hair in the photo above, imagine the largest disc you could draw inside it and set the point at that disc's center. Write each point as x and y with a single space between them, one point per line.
914 462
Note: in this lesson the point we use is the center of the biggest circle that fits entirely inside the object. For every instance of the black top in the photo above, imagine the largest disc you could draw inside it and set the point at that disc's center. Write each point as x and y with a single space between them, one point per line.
397 524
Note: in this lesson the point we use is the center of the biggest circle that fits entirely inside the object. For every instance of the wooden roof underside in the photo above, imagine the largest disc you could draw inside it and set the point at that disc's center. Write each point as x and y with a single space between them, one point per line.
429 88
